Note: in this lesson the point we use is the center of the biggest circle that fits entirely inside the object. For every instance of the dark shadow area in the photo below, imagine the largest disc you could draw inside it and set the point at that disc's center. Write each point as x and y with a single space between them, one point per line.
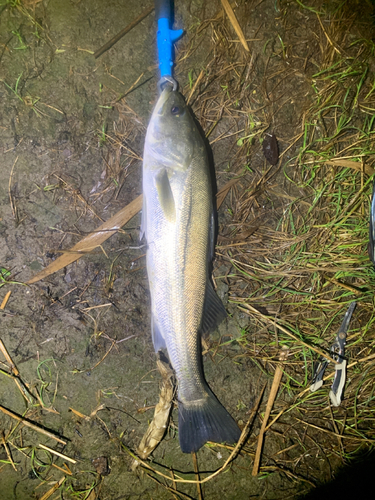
351 481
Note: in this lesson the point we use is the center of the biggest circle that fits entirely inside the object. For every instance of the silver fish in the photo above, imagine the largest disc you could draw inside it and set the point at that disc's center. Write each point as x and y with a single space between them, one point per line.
178 222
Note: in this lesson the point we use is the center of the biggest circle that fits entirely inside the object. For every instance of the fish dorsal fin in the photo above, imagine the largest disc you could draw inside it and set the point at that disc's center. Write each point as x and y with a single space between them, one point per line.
213 310
157 338
165 195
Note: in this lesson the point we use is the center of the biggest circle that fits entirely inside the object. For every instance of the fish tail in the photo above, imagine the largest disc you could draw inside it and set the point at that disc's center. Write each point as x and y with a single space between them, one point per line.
205 420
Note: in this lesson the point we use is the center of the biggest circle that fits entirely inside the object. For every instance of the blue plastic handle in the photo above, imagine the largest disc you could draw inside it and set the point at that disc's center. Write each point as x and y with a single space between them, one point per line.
165 39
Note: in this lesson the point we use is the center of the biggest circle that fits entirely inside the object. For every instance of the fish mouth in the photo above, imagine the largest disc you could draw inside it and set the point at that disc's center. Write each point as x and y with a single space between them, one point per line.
160 106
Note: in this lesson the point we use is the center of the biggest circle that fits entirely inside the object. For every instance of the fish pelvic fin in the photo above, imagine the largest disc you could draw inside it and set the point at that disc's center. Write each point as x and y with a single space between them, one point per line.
143 228
157 337
205 420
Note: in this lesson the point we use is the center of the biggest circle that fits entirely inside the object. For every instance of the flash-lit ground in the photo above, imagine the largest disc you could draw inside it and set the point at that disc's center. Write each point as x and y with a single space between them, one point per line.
291 249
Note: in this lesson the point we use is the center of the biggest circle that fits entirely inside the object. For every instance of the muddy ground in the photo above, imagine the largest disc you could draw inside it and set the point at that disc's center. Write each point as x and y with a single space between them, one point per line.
81 337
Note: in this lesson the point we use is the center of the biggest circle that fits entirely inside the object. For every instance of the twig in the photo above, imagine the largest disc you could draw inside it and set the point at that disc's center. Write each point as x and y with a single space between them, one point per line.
7 451
13 207
61 455
13 367
92 240
123 32
271 400
6 298
326 34
96 307
55 487
341 436
236 26
100 361
31 425
247 307
21 386
196 470
174 491
15 375
65 471
195 86
79 414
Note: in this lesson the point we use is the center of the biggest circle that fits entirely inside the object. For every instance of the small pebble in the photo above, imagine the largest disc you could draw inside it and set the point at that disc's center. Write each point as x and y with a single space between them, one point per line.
271 149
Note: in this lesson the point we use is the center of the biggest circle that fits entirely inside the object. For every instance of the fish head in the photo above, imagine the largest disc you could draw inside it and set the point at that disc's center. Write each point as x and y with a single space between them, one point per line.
172 137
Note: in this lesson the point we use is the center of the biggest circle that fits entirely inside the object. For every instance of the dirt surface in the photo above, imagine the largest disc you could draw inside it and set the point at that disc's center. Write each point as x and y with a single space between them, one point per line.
71 147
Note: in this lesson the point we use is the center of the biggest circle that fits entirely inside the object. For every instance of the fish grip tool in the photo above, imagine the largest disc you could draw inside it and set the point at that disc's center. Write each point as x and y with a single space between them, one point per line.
165 39
337 351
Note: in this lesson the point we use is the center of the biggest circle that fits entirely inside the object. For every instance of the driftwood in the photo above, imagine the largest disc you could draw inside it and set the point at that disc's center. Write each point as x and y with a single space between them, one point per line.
159 424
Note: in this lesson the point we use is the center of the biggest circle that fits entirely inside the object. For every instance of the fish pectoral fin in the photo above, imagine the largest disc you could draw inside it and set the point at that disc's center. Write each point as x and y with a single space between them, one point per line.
157 337
165 195
143 231
213 310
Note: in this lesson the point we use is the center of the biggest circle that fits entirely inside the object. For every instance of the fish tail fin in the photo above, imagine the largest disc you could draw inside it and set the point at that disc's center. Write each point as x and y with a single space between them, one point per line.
205 420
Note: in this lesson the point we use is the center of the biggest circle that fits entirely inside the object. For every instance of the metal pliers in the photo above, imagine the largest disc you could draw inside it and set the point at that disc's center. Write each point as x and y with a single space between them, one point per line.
337 351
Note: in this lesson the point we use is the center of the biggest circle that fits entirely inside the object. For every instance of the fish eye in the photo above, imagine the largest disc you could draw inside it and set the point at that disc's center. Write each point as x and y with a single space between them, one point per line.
175 110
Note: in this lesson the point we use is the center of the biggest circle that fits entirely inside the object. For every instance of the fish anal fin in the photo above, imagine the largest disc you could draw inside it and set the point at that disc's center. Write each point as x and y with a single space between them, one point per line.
157 338
205 420
165 195
213 310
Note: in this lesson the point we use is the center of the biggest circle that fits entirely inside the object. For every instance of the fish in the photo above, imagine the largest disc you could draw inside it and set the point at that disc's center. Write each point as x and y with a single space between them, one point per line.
179 225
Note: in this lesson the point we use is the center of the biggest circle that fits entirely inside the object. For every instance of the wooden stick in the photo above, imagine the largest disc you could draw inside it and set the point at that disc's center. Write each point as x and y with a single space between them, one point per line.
61 455
15 374
236 26
195 85
92 240
67 469
13 367
78 413
6 298
123 32
55 487
64 470
12 205
21 386
196 470
31 425
271 400
7 451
